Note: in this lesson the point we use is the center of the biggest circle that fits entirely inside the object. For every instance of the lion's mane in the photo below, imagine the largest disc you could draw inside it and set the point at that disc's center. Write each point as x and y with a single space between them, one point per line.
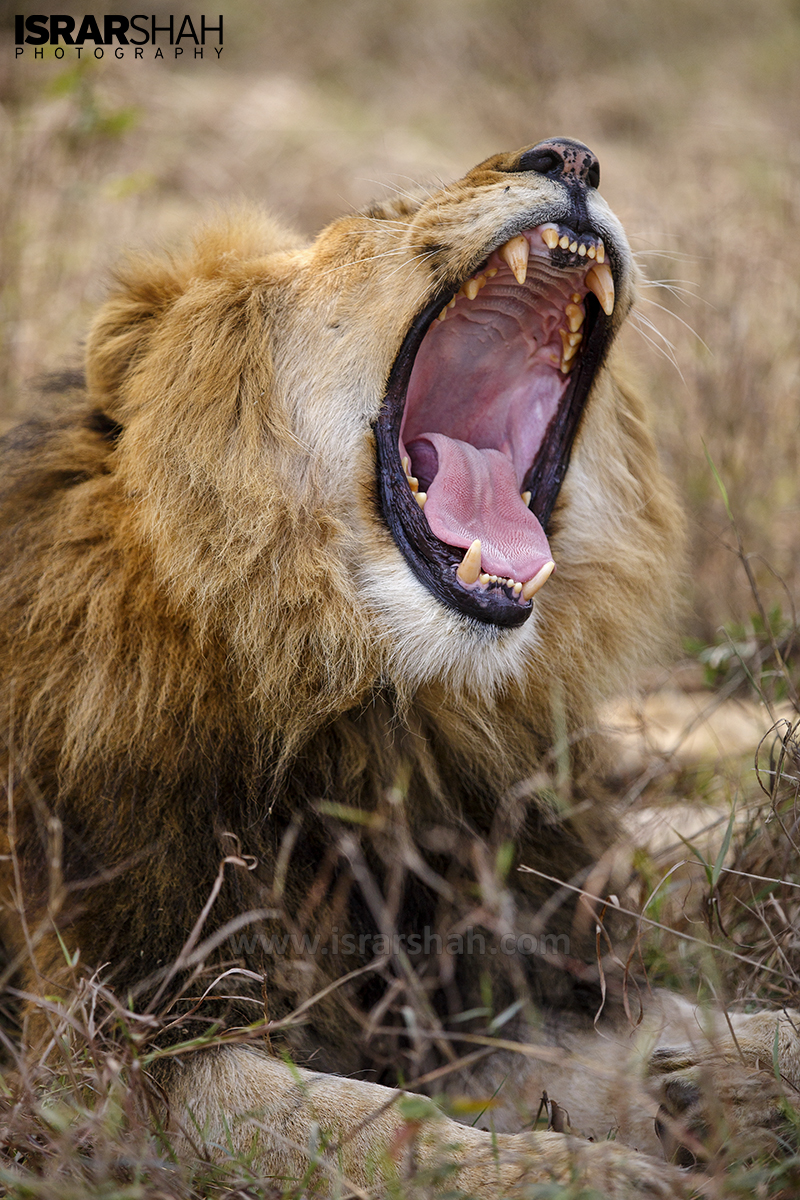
213 642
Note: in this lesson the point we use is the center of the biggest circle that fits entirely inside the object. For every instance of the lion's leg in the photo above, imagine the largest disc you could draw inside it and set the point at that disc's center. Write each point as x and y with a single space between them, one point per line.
598 1082
597 1076
361 1135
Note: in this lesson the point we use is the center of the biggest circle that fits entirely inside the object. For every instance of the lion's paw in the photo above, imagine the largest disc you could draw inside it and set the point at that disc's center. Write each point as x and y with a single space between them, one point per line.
727 1090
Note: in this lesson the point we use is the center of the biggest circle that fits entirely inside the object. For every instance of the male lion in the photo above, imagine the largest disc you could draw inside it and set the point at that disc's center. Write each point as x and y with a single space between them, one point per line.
309 599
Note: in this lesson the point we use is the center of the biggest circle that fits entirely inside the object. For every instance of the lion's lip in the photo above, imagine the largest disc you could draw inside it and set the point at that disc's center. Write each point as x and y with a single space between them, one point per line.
480 413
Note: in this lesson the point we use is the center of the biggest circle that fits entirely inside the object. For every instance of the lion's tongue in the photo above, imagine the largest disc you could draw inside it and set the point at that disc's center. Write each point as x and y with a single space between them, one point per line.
474 494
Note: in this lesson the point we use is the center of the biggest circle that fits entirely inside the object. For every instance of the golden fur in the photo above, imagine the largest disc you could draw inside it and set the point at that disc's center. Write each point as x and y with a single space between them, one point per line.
213 641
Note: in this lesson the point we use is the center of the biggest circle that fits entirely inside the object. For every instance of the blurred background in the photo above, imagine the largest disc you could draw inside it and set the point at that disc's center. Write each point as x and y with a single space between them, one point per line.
315 107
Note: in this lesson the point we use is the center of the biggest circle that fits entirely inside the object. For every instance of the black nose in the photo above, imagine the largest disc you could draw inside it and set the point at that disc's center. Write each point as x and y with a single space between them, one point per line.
563 159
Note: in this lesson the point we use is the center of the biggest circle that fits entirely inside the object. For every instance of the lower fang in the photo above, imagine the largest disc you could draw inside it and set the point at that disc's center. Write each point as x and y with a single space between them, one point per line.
530 588
469 569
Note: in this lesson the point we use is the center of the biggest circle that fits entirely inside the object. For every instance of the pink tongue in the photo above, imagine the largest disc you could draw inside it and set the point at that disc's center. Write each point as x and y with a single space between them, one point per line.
475 494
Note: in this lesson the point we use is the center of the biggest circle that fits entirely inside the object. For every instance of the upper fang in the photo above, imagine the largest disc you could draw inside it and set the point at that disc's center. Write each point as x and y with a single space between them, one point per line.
515 253
600 281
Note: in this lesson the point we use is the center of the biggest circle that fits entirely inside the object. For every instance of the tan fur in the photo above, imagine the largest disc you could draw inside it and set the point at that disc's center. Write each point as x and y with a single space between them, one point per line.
211 633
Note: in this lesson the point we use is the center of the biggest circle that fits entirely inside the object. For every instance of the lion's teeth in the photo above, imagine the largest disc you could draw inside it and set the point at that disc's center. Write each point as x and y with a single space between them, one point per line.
469 569
517 588
525 497
582 250
515 253
563 242
471 289
573 246
484 578
420 498
592 252
575 317
442 314
601 252
550 237
569 343
600 281
530 588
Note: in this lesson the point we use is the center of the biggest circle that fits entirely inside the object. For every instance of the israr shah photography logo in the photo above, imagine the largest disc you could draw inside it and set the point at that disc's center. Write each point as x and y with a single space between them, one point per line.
139 36
378 945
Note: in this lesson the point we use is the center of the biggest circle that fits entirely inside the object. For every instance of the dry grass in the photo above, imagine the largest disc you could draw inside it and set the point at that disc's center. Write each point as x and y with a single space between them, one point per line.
316 107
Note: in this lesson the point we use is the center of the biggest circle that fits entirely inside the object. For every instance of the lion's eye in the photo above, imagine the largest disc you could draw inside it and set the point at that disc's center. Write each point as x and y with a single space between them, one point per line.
491 392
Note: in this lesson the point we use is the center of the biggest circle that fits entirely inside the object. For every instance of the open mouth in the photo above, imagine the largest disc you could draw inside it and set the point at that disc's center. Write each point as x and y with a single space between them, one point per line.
480 413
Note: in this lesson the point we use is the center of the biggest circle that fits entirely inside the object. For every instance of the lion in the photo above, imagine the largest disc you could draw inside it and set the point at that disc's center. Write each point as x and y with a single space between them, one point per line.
311 594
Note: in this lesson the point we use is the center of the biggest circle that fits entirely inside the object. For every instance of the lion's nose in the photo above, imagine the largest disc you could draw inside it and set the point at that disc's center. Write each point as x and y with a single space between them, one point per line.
563 159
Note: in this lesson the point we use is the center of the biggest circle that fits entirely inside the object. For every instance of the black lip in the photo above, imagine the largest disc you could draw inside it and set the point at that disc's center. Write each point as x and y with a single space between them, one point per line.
433 561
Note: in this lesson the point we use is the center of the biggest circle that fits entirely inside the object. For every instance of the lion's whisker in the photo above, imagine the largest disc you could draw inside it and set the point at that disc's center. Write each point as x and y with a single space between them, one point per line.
685 286
686 325
669 354
651 252
355 262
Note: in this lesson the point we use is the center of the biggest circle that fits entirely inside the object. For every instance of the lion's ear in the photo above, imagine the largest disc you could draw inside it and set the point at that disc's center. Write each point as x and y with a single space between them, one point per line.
120 334
147 287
